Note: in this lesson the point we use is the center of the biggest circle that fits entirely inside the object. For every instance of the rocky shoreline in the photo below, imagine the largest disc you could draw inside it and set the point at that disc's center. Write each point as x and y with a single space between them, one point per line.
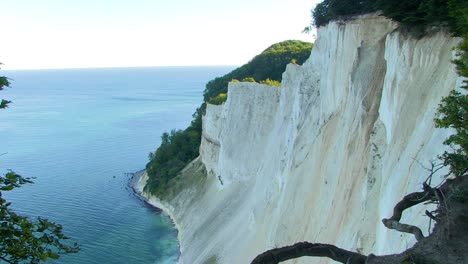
137 182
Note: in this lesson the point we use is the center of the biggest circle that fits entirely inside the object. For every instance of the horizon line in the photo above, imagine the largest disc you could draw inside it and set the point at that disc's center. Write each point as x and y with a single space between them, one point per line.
116 67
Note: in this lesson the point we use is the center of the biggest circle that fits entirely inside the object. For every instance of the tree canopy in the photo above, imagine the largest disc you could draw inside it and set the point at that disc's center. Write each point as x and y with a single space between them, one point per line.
420 13
179 147
270 64
453 113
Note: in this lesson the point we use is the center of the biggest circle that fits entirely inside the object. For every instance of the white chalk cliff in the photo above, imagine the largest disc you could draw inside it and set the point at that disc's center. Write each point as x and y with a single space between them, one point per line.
324 157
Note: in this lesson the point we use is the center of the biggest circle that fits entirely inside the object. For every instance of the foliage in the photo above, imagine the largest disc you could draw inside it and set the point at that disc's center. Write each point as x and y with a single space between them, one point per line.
334 9
462 59
219 99
271 63
419 13
271 82
458 18
177 149
453 110
23 239
453 113
180 147
4 103
4 82
248 79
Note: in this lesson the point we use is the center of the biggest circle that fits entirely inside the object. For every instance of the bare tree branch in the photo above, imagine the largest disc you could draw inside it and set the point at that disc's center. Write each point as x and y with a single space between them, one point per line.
408 201
438 195
393 224
302 249
430 215
412 199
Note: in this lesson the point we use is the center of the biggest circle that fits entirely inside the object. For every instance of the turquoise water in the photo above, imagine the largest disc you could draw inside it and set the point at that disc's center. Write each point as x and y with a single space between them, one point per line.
79 132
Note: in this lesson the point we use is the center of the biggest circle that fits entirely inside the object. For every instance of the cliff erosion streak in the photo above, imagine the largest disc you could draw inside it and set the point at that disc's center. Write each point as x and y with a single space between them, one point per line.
324 157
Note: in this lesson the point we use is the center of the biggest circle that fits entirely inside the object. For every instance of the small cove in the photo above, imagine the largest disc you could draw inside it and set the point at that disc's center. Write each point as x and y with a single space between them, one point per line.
78 132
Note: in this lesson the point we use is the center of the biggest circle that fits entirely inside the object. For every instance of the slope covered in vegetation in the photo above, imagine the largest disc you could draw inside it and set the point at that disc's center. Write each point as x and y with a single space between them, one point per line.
180 147
270 64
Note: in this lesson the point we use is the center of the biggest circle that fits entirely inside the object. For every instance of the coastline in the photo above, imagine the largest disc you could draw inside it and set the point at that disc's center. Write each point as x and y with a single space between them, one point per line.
137 182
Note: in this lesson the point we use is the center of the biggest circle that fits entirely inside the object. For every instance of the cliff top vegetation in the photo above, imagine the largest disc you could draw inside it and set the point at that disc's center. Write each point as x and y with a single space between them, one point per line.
179 147
413 13
270 64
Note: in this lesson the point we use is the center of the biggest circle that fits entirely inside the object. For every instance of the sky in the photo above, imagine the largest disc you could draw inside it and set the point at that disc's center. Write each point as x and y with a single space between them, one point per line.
130 33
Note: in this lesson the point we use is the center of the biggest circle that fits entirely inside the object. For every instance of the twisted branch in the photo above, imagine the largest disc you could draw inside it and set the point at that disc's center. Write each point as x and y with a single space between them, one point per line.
412 199
301 249
408 201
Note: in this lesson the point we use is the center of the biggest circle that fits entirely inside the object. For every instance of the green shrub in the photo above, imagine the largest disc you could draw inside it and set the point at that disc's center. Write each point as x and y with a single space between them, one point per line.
271 63
219 99
177 149
248 79
271 82
180 147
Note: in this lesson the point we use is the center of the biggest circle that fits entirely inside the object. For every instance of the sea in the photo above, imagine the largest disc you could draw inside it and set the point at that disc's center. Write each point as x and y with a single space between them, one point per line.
79 133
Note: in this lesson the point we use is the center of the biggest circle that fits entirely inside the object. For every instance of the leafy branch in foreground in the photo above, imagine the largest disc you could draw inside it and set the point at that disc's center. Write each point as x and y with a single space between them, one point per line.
4 82
453 113
24 239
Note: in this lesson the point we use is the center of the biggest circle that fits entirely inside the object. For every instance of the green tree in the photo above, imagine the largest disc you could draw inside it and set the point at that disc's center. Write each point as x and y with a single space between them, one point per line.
23 239
180 147
453 113
271 64
417 14
321 14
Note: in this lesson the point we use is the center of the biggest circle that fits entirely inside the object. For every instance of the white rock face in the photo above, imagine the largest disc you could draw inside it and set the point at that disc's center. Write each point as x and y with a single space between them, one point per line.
326 156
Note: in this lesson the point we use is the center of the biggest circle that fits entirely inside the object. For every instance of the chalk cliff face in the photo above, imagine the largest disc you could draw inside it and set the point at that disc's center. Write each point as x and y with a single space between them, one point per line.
324 157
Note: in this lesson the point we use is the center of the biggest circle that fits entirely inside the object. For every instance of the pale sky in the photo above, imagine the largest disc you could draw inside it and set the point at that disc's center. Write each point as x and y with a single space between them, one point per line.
40 34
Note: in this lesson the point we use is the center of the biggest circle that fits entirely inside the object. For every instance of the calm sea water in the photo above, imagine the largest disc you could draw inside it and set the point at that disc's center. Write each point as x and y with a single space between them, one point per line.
78 132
